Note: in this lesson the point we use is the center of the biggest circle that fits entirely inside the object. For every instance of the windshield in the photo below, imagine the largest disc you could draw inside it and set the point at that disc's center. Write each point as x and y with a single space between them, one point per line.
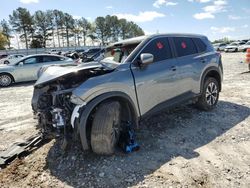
248 43
119 54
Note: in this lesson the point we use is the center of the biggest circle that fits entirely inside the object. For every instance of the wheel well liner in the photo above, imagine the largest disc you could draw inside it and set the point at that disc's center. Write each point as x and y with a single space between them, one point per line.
212 72
2 73
125 101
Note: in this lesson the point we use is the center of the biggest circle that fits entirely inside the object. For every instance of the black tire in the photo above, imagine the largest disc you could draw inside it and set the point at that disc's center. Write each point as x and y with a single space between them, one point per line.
106 127
210 95
5 80
6 62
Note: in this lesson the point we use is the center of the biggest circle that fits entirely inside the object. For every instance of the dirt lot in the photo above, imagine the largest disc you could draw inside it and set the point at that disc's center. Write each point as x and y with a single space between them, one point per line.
183 147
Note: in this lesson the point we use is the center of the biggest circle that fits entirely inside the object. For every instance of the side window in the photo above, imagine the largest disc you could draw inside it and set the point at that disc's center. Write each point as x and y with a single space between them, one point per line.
31 60
159 48
184 46
50 58
200 44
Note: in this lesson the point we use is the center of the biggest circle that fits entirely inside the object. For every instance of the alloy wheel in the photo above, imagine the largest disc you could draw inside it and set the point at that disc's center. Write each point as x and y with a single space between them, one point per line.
211 94
5 80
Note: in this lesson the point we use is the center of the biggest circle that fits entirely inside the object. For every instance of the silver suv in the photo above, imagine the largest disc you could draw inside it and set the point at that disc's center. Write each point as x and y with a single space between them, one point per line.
136 78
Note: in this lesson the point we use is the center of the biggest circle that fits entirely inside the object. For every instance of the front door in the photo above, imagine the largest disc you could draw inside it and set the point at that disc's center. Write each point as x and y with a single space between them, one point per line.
27 69
156 82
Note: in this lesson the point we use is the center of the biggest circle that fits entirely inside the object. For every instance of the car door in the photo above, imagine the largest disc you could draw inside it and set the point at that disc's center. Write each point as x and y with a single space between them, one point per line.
155 83
27 69
190 64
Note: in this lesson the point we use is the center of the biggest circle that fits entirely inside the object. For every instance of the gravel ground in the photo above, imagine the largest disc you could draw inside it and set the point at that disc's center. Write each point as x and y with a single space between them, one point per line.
183 147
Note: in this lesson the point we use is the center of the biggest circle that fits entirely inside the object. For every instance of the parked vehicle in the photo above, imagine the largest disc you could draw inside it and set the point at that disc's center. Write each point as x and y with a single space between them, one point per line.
80 50
26 68
137 78
95 57
233 47
244 47
10 59
55 52
72 55
220 46
90 52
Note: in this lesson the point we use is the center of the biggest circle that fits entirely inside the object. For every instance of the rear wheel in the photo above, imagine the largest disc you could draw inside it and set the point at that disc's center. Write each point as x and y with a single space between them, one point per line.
5 80
106 127
210 95
6 62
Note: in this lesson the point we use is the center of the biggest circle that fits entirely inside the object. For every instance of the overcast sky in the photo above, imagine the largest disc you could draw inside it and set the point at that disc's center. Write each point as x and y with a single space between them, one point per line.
214 18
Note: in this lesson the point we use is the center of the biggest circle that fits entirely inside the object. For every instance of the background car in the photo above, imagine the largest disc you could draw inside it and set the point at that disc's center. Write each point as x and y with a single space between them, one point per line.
244 47
94 57
220 46
90 52
11 58
233 47
26 68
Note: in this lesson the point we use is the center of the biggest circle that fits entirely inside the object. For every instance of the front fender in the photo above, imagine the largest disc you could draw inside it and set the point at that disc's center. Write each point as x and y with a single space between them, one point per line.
86 111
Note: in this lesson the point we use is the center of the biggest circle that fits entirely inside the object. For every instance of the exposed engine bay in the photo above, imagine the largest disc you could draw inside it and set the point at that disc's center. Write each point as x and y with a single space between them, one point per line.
52 99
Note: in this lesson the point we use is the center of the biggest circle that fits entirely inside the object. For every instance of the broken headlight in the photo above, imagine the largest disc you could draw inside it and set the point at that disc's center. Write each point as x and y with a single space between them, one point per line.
76 100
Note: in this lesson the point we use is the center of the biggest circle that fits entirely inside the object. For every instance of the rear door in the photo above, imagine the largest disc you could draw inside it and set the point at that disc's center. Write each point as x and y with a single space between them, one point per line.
190 63
156 82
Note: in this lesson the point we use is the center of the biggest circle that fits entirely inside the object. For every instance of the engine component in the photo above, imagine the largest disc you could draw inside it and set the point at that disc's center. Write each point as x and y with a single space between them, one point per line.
58 119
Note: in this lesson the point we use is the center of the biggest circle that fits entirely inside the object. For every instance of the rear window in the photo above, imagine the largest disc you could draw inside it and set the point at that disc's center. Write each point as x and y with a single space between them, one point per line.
201 45
159 48
184 46
50 58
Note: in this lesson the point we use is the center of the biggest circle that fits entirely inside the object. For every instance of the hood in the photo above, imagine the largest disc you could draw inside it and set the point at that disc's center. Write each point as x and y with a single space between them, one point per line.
54 72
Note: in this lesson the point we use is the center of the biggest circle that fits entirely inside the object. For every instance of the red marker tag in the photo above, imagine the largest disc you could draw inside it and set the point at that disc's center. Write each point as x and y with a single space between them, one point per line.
183 45
159 45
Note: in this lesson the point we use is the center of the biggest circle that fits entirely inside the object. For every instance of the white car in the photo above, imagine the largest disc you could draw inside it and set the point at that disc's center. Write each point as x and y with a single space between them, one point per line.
233 47
27 67
244 47
10 59
220 46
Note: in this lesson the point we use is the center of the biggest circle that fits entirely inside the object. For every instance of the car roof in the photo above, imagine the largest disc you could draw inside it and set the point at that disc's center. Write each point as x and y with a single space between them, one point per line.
35 55
139 39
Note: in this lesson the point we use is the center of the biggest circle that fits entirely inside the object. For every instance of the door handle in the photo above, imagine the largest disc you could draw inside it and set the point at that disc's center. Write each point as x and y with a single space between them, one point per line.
173 68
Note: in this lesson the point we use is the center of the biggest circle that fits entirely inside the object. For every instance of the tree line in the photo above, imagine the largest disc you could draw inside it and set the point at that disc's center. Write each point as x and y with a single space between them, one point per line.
60 27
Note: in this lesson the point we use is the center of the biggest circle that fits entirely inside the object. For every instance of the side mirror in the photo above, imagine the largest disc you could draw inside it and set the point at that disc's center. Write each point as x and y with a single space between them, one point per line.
20 64
146 58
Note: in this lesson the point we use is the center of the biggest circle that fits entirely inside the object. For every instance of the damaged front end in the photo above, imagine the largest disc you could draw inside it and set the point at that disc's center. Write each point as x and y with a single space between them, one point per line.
53 103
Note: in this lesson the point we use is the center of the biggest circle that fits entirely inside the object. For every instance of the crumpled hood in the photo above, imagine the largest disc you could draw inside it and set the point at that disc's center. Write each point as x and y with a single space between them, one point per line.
54 72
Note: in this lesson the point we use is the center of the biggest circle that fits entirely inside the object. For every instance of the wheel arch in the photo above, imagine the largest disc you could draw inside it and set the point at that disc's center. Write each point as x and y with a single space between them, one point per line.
12 77
128 112
211 72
